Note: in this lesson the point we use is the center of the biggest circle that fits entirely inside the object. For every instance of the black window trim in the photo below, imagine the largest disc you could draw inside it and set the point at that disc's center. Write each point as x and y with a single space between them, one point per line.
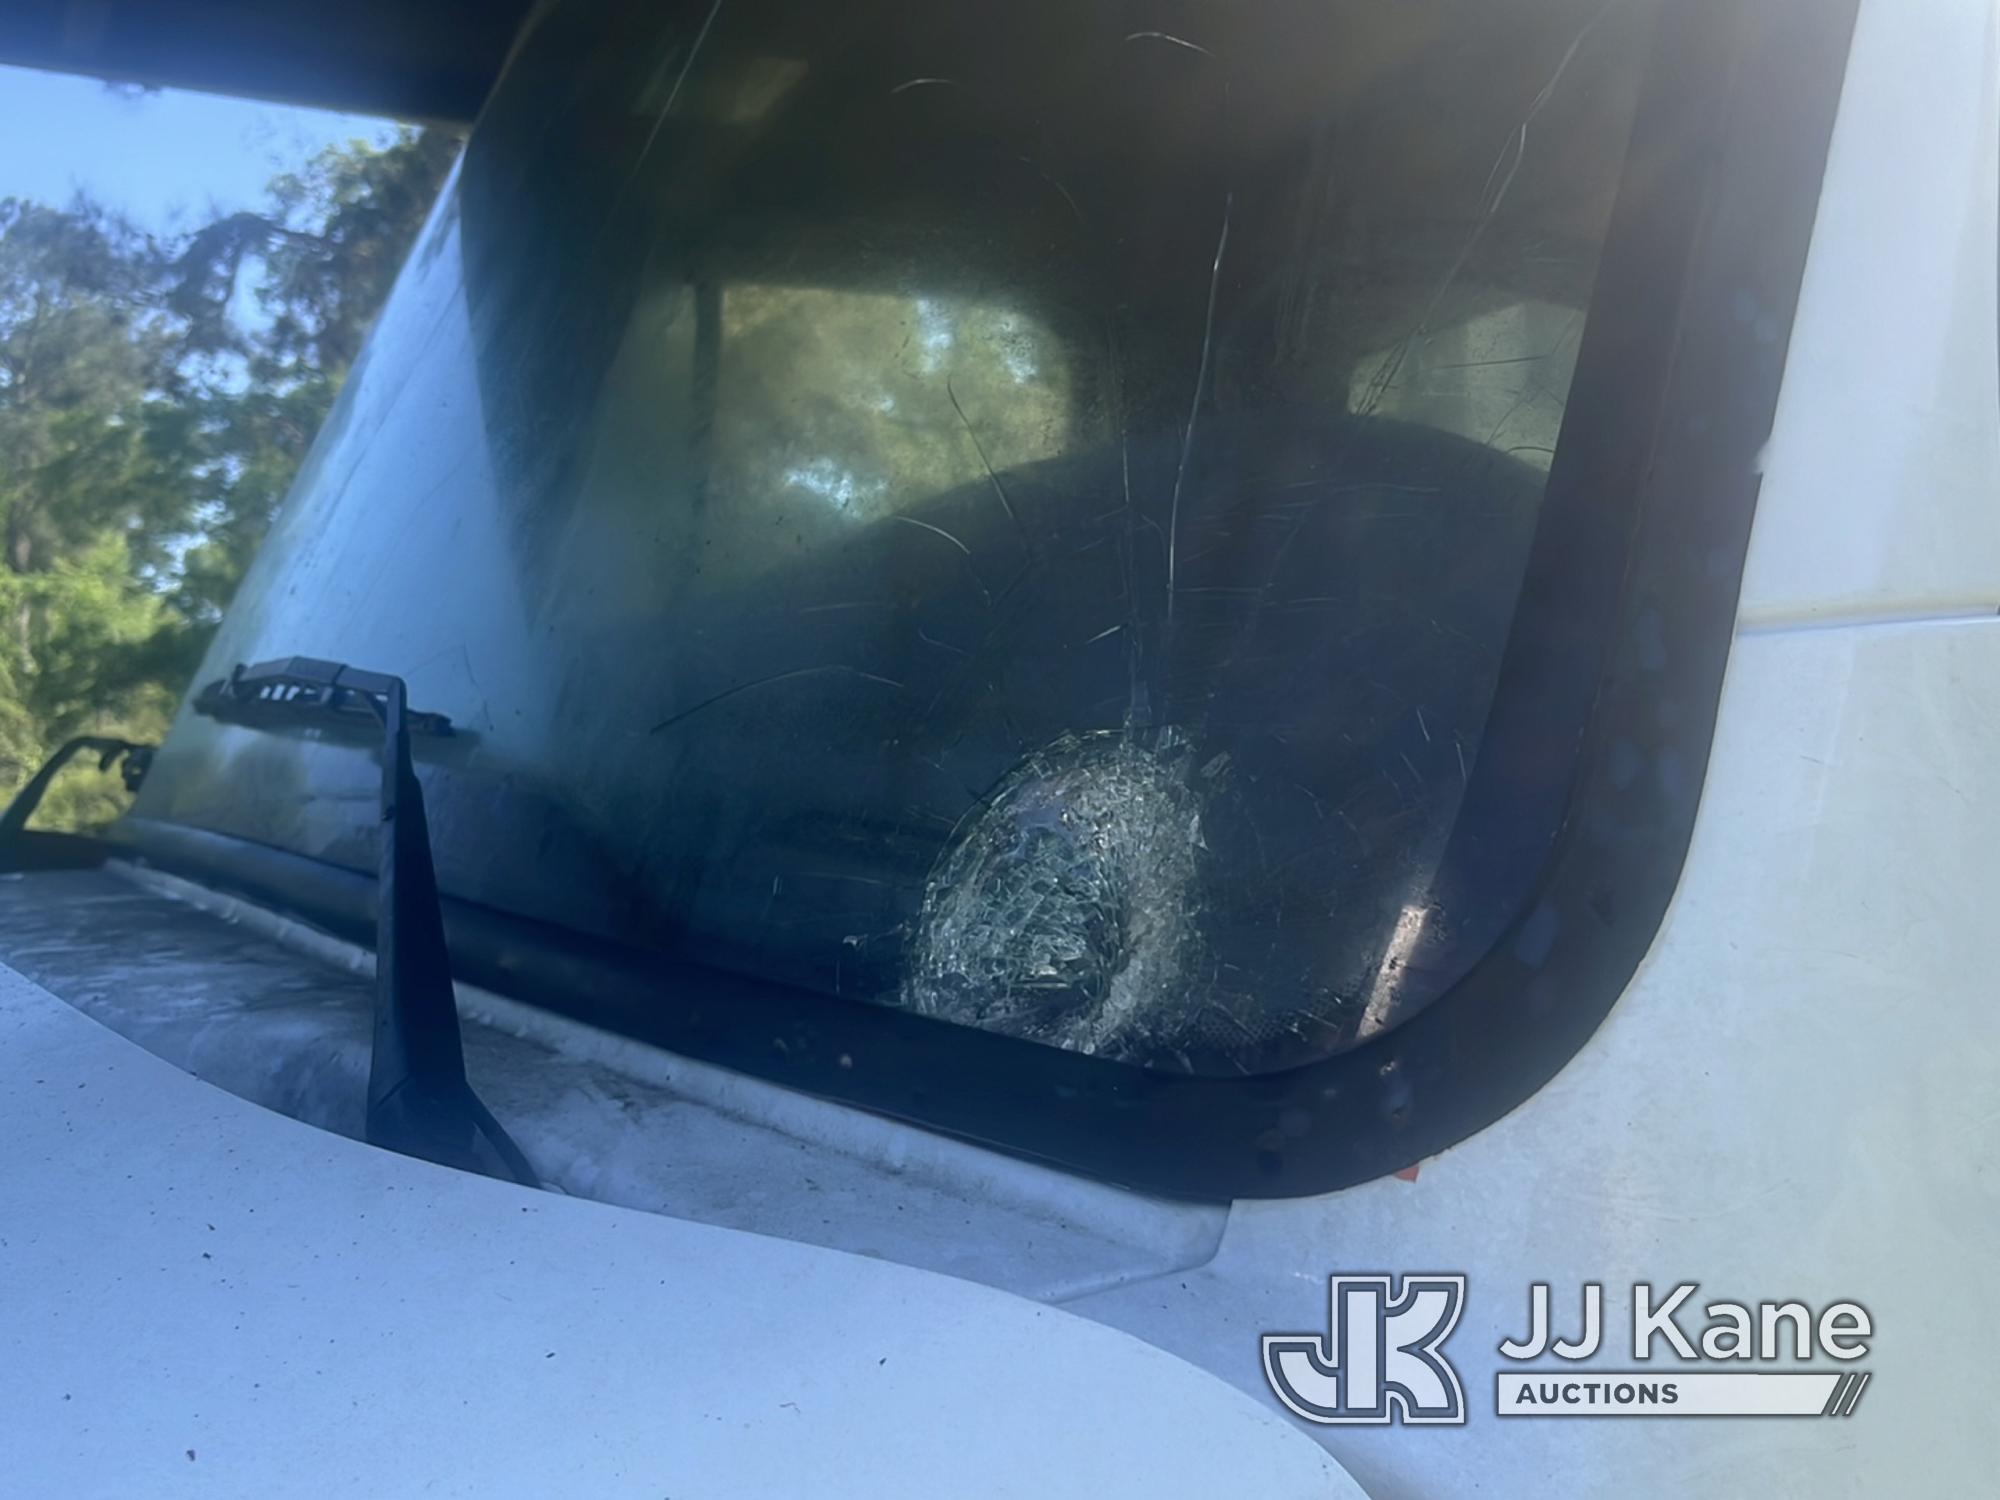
1676 386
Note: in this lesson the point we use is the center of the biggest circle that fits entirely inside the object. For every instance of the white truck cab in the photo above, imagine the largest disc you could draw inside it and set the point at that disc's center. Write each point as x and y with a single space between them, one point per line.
1150 752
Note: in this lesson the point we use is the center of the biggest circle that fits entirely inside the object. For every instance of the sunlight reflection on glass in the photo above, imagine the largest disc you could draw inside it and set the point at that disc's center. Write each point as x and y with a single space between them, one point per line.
1500 379
808 372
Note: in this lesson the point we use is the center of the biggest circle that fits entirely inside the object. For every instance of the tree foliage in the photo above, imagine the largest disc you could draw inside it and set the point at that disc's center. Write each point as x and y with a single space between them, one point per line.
156 398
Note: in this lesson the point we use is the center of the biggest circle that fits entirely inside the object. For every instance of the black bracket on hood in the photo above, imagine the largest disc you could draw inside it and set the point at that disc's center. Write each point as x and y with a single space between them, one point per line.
419 1102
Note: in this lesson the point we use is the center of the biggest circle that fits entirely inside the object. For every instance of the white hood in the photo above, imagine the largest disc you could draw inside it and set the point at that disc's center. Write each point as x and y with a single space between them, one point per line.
199 1296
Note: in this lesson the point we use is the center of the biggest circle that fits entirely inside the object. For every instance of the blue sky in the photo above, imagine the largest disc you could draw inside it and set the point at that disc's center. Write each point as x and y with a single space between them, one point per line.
166 159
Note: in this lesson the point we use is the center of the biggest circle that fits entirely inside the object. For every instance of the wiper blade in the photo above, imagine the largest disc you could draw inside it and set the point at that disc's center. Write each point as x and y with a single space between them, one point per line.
419 1102
301 692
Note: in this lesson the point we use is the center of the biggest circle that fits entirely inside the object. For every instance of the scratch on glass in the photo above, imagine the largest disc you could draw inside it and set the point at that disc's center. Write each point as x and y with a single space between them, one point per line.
934 531
1498 182
775 677
1170 39
1194 410
674 93
986 463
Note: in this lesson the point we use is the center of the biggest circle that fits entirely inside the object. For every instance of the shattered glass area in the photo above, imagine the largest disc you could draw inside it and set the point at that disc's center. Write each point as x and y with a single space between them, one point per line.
1065 910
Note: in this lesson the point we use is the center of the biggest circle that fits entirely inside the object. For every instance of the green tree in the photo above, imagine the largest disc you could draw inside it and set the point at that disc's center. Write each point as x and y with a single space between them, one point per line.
322 256
148 432
92 486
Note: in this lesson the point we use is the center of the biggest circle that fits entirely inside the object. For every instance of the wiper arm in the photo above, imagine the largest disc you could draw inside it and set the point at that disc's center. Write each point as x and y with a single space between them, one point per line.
419 1102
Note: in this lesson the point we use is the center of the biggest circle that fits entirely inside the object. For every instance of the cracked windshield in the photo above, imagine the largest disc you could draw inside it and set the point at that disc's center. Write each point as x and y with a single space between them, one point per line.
1011 517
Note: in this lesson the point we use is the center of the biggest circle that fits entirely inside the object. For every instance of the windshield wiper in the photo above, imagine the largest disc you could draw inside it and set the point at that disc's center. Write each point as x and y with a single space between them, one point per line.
419 1102
14 821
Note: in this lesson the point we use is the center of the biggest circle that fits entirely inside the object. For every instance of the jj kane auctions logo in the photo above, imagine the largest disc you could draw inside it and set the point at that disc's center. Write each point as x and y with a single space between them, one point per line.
1382 1357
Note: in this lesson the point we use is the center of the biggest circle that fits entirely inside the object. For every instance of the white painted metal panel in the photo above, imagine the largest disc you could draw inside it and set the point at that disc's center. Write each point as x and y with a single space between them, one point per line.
1795 1099
198 1296
1882 487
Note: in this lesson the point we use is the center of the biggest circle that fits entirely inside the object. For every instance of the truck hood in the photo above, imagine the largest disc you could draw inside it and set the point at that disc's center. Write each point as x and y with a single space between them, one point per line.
202 1296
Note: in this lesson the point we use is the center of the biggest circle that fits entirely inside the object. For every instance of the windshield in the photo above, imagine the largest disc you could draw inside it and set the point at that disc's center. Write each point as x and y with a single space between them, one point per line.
1008 513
